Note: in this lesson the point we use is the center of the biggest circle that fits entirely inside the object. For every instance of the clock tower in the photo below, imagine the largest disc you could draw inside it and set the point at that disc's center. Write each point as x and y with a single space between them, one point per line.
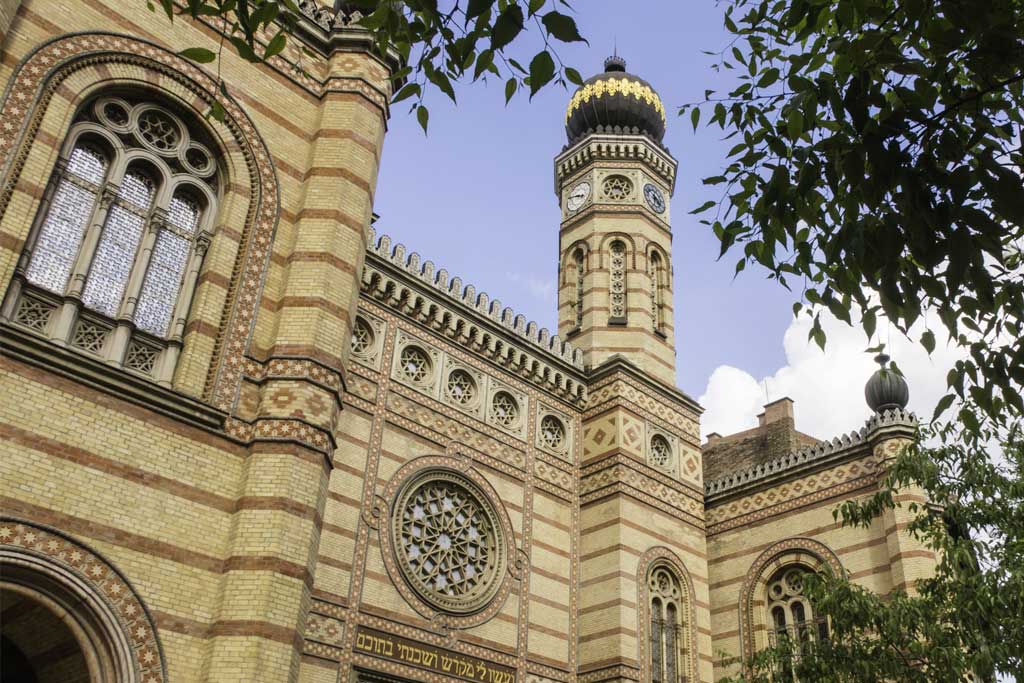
614 180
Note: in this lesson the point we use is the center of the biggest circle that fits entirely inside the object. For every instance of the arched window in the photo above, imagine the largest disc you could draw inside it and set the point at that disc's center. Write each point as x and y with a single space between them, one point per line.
656 273
578 303
666 629
112 262
791 617
617 281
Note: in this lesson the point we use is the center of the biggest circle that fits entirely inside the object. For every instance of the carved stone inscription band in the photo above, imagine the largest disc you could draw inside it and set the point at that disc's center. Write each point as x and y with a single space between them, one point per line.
398 649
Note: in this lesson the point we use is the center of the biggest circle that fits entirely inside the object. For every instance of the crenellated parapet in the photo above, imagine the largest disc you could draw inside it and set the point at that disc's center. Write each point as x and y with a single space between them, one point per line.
428 295
885 424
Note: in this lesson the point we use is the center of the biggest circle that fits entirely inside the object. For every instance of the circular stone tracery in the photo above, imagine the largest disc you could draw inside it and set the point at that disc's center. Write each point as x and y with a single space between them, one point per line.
661 451
448 541
552 433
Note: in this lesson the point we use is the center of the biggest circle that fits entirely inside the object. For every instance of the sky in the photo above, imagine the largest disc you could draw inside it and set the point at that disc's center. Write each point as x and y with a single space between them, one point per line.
476 196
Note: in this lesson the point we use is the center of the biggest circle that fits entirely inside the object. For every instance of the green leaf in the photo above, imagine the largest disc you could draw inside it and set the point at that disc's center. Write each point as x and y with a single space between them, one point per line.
535 6
276 45
695 117
943 405
508 25
542 70
768 78
199 54
703 207
511 85
573 75
423 116
407 91
928 341
562 27
475 8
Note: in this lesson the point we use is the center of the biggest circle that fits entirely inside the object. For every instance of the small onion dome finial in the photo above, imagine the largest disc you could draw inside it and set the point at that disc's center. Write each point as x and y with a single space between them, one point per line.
886 390
614 63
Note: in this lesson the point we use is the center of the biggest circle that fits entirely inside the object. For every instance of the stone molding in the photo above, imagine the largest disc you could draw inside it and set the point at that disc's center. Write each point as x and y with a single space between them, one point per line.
801 551
660 555
891 422
598 147
471 319
97 586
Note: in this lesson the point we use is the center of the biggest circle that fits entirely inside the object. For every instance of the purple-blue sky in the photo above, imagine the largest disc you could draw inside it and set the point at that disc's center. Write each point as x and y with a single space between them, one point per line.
476 195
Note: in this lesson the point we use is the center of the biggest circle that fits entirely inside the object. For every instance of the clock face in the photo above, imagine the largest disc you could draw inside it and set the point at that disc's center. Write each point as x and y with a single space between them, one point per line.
577 195
654 198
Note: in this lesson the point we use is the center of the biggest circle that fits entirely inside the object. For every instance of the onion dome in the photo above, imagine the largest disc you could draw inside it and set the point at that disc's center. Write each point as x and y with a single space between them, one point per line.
886 390
615 102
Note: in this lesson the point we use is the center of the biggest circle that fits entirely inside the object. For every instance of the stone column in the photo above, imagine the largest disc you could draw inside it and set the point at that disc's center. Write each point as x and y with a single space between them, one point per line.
276 529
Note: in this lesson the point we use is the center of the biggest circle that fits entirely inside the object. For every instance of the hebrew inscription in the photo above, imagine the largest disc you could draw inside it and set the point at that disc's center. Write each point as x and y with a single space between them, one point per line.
398 649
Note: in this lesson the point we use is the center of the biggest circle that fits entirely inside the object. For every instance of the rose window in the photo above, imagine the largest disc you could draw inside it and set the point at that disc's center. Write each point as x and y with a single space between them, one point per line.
448 541
461 388
505 409
661 451
617 187
552 433
362 338
157 129
415 365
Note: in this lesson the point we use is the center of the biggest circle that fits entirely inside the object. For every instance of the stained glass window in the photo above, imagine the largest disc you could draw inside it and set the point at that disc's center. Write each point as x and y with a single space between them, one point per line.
119 256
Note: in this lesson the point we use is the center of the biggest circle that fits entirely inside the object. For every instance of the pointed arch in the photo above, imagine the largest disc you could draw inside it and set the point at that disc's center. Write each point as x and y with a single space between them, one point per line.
799 552
667 643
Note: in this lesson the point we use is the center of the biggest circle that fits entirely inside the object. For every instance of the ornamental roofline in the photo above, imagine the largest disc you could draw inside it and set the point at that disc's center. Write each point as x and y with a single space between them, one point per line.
893 422
615 146
477 304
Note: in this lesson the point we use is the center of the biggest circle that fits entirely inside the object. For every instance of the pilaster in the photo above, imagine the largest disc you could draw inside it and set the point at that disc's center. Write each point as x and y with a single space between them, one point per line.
8 8
266 589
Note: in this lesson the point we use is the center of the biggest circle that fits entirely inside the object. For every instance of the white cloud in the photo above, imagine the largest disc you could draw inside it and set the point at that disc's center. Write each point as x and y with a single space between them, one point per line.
542 288
827 387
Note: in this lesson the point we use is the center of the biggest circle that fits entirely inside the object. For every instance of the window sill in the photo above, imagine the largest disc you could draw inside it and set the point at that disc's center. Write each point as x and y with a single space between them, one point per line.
80 367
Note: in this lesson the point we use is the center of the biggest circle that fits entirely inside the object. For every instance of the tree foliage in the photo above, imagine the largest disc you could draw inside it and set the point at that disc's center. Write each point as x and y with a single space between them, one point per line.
968 618
439 43
877 168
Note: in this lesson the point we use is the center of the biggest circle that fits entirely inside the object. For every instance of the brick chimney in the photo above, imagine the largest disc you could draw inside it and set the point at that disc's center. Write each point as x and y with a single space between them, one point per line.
781 409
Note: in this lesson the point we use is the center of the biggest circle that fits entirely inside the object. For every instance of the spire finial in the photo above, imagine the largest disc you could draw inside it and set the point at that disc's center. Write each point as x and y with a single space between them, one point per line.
615 62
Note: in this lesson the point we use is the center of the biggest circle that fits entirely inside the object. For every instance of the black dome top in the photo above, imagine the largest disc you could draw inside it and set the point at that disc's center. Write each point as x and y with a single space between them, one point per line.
886 390
615 102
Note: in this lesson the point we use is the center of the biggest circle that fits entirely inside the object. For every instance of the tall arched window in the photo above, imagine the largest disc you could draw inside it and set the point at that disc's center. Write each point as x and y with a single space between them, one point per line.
656 272
578 299
112 262
791 617
617 281
666 629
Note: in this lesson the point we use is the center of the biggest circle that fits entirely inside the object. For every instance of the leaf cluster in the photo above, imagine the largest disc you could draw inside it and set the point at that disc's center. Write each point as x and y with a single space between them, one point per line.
439 42
876 168
965 623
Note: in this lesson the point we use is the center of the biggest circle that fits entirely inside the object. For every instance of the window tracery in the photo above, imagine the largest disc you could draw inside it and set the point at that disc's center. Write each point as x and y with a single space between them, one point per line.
578 259
552 433
415 365
665 630
661 451
792 621
505 410
448 541
657 281
617 187
617 276
112 263
461 388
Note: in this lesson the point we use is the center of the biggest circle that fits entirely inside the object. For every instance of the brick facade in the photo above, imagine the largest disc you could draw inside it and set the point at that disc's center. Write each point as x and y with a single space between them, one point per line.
236 523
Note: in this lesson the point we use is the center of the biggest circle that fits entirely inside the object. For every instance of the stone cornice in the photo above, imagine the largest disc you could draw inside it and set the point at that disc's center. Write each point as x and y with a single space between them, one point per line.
618 364
600 147
328 30
890 424
472 320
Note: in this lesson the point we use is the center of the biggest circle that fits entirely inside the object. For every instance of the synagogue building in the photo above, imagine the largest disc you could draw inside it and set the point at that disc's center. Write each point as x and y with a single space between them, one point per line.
245 438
